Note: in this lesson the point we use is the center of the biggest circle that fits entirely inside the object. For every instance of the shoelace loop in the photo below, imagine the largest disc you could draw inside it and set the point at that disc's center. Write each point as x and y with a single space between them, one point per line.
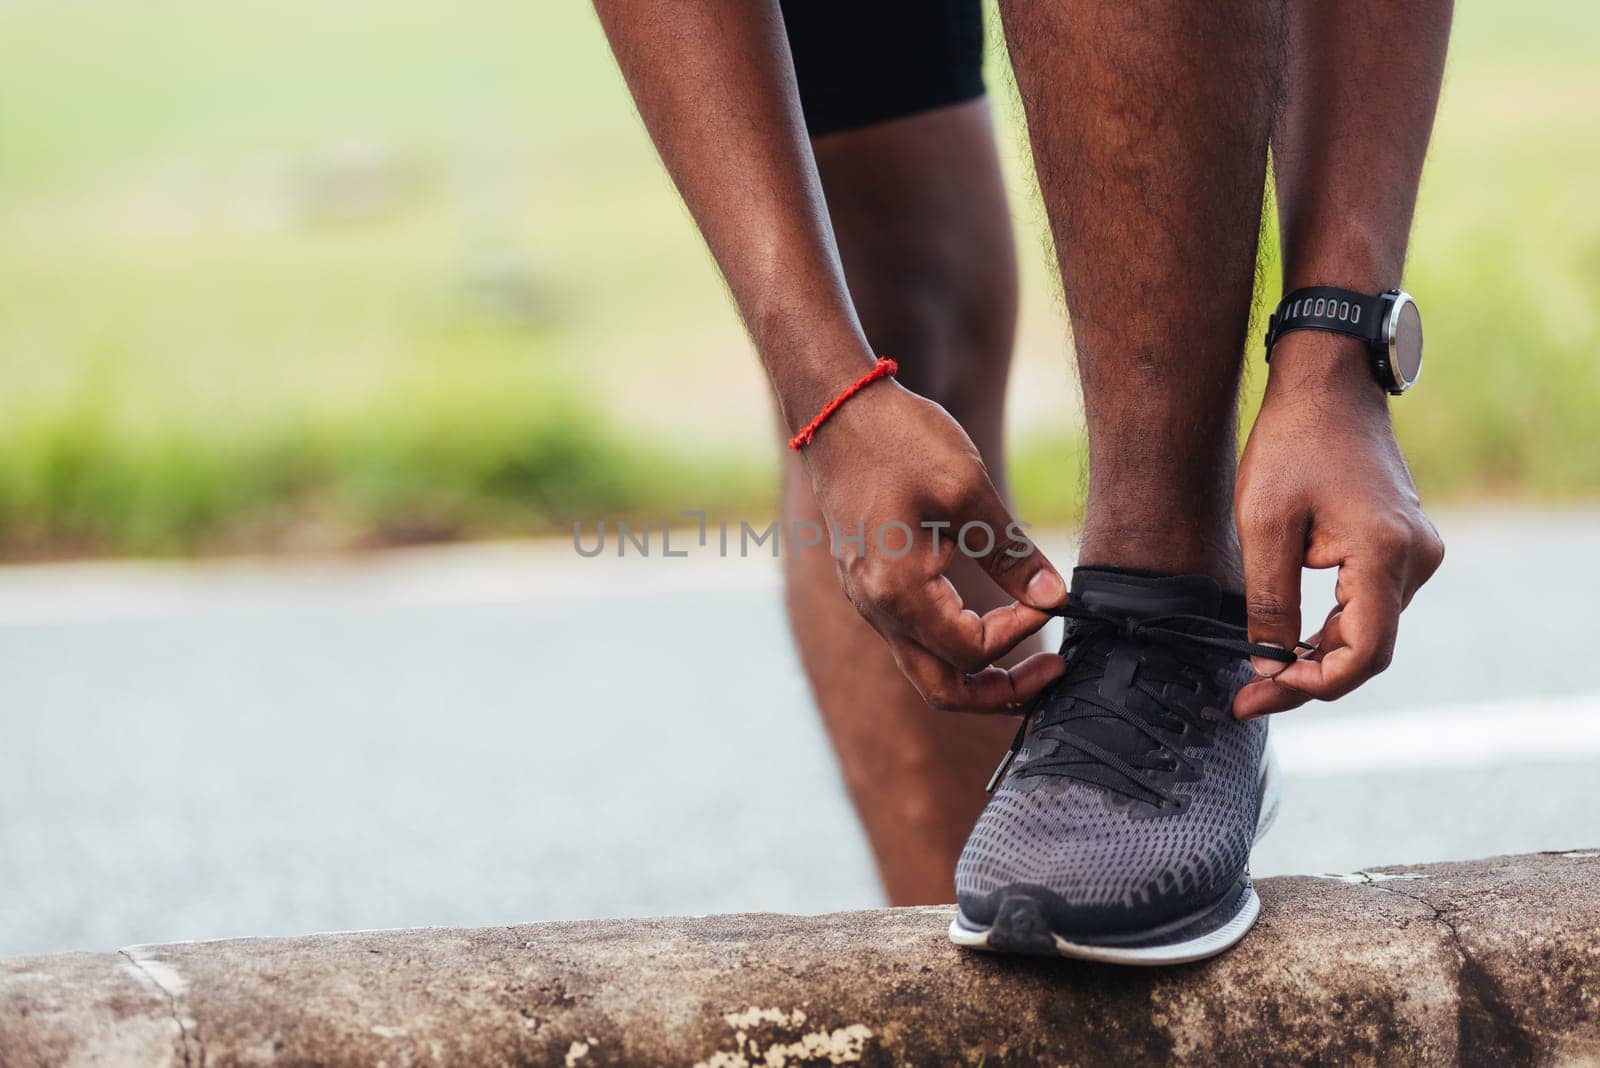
1176 629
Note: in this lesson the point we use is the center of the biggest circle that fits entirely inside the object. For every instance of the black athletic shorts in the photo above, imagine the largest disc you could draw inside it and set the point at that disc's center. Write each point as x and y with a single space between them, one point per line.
865 61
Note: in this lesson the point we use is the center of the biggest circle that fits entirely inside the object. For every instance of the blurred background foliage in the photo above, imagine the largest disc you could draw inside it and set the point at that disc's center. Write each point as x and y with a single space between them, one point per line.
284 275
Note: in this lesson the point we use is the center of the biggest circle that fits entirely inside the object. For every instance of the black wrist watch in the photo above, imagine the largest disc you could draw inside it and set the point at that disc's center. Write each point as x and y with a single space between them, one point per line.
1389 323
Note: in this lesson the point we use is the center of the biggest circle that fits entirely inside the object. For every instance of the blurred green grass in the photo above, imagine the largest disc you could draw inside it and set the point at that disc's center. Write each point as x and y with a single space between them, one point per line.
290 274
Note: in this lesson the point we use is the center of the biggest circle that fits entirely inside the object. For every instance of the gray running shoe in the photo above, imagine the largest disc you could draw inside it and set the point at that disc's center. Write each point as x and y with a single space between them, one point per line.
1125 812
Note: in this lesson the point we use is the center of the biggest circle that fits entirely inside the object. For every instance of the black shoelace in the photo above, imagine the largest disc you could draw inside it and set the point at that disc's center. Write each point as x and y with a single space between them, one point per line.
1075 753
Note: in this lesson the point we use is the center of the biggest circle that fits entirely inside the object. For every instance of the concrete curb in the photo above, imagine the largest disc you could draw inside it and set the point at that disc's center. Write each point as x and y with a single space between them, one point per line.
1488 962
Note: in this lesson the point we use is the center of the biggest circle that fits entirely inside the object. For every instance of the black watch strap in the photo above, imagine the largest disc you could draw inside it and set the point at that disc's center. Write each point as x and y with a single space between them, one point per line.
1327 308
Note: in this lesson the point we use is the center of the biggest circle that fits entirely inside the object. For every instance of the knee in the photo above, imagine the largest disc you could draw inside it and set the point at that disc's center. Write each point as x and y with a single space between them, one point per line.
952 336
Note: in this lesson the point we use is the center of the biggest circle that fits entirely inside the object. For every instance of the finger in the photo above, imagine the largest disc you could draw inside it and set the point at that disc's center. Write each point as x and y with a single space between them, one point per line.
1325 637
1274 549
886 589
940 623
993 690
1265 697
1003 549
1369 619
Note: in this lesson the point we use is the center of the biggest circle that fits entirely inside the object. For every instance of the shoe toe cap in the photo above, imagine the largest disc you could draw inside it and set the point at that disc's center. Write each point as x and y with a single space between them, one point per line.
1089 867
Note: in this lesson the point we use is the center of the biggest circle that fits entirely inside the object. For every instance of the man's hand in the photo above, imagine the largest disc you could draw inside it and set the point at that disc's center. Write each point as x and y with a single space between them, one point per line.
897 471
1322 484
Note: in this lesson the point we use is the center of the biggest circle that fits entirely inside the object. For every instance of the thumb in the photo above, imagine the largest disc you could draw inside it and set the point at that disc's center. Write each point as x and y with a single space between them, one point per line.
1274 553
1001 546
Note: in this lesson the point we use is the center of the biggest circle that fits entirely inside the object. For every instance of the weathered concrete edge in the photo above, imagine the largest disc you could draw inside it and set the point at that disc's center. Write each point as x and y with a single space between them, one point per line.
1490 962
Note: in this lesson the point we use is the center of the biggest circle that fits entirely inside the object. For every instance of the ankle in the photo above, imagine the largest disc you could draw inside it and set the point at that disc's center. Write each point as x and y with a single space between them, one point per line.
1169 547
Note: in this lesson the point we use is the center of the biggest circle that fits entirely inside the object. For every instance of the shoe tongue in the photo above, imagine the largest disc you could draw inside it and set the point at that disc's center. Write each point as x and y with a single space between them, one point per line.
1119 592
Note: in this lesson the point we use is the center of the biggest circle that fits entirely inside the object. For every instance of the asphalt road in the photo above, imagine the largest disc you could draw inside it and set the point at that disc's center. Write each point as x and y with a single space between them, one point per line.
496 734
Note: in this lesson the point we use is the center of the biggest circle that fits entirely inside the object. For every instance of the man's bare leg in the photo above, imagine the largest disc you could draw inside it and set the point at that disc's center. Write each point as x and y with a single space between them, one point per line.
1149 125
920 215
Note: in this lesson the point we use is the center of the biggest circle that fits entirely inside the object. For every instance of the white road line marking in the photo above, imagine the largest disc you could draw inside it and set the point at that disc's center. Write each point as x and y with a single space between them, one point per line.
1517 731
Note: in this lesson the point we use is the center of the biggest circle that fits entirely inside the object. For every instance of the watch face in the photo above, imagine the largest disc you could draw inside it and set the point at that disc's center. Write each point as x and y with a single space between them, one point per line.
1405 342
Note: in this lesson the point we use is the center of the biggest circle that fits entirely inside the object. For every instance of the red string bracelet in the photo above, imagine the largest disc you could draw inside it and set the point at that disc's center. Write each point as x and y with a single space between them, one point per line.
882 369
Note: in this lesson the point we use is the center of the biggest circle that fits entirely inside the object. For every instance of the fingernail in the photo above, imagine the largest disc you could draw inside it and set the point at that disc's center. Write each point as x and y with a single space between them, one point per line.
1046 590
1265 668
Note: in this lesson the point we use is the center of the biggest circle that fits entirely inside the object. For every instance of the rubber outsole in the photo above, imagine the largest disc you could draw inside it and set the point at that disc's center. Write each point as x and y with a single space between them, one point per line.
1020 924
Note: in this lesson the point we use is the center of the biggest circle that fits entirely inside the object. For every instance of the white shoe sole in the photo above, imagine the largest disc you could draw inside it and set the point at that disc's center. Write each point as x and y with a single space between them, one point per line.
1199 948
